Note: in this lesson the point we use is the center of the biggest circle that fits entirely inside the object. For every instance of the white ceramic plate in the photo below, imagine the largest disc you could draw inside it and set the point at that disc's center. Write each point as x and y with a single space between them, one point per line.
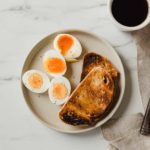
40 104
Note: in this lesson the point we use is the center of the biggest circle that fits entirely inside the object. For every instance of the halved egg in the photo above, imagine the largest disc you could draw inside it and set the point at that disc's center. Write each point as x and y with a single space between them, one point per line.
36 81
68 45
54 63
59 90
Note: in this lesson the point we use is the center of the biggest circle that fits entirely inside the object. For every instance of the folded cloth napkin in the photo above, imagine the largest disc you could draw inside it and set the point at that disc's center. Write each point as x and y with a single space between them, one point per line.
142 40
123 133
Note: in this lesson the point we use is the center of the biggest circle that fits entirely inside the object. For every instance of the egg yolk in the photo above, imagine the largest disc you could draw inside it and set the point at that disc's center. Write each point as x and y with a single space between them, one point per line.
65 42
35 80
54 65
59 91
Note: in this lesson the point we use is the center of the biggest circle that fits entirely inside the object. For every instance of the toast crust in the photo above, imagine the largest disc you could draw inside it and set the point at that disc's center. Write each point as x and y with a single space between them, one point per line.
92 60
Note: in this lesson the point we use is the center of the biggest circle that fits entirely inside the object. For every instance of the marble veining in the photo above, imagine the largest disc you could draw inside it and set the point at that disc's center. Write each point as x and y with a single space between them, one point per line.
9 78
22 24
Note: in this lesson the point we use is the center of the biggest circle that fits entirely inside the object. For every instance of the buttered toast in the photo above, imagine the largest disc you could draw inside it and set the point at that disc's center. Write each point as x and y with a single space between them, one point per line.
90 99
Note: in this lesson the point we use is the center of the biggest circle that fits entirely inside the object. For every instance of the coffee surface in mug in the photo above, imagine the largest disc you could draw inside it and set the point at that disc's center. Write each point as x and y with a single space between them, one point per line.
130 12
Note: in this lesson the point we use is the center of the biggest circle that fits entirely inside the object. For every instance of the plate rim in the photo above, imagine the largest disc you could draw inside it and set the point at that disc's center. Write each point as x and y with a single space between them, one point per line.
109 116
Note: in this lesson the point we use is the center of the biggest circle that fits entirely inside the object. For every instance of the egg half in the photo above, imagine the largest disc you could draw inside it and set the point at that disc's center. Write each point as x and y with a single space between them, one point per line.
68 45
59 90
36 81
54 63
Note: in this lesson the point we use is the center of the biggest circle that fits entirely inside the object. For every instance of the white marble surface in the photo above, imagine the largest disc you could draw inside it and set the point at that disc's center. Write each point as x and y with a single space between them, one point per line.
24 23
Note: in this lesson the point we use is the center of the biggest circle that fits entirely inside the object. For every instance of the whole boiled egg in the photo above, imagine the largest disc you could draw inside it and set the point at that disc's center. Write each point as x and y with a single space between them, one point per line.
54 63
68 45
59 90
36 81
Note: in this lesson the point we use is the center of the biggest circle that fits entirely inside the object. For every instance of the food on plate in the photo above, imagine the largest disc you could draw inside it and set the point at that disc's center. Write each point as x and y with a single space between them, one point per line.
59 90
73 60
90 100
92 60
54 63
68 45
36 81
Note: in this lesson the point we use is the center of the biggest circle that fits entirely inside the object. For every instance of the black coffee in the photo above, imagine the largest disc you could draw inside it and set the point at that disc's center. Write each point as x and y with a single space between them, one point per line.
130 12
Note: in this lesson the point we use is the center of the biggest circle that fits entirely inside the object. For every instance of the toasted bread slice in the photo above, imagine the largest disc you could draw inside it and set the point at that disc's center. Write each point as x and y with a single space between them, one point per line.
90 99
92 60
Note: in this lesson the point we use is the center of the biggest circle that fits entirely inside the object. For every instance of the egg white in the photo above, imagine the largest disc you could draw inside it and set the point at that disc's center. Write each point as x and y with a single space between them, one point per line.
75 50
64 81
54 54
46 81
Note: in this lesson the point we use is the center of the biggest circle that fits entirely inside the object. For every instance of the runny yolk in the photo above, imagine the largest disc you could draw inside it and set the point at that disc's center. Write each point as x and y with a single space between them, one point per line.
59 91
35 80
64 43
54 65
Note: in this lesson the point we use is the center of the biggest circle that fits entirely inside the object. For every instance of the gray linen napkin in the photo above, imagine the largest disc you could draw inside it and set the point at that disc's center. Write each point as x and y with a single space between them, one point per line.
123 133
142 39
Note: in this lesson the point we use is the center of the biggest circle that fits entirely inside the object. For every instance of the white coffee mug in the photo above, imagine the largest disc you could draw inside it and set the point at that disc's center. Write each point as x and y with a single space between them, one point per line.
127 28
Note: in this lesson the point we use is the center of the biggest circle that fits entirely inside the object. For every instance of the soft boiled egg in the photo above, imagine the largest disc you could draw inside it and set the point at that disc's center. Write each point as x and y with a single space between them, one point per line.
59 90
68 45
54 63
36 81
